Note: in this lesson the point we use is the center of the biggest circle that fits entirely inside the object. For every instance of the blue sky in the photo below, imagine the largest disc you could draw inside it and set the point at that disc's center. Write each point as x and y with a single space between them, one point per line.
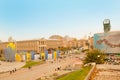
33 19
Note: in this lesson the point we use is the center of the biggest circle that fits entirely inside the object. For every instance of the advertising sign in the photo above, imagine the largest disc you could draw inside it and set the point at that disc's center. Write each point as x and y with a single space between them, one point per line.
108 42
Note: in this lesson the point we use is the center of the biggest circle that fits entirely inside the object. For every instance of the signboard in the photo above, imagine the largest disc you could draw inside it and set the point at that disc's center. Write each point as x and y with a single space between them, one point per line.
108 42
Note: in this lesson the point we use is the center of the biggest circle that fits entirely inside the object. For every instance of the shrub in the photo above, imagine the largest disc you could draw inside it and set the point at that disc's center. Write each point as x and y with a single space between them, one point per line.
95 55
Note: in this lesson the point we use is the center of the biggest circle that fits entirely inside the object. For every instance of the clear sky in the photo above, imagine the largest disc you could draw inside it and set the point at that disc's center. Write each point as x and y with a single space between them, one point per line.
33 19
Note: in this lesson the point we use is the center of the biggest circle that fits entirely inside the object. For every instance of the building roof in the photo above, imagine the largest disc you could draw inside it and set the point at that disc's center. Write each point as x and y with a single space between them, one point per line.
55 37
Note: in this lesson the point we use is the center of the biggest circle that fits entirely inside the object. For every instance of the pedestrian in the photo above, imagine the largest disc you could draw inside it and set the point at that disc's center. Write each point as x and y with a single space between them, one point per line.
29 67
15 70
10 72
58 68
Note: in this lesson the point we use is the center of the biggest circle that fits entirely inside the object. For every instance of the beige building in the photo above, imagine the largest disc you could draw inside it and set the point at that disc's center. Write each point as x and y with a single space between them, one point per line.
86 44
27 45
72 44
34 45
54 42
83 43
3 45
91 42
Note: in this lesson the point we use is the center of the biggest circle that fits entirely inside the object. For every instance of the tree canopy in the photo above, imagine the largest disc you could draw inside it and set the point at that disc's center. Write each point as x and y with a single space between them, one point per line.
95 55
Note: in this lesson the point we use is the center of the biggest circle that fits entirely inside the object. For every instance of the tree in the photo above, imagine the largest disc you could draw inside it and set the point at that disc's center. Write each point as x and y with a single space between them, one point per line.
95 55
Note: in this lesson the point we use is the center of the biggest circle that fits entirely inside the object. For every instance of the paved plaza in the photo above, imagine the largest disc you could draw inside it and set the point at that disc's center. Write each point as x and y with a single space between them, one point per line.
7 66
39 71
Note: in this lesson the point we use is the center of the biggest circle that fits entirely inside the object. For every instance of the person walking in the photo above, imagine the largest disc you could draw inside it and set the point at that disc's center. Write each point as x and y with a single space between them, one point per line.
15 70
10 72
29 67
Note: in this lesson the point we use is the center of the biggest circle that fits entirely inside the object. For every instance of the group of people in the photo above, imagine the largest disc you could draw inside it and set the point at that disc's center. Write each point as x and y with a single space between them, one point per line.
12 71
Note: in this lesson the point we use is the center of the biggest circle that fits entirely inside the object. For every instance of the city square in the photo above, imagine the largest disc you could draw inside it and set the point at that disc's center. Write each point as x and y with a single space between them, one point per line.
59 40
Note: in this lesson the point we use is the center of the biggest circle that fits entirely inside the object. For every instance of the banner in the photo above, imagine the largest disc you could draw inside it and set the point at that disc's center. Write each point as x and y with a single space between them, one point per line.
18 57
28 56
55 55
108 42
43 56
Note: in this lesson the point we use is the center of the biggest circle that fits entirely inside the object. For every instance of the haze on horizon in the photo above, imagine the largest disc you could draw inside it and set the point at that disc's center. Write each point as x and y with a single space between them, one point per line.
33 19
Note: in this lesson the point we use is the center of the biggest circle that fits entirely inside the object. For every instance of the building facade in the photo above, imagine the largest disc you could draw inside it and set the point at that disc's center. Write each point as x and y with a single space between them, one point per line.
33 45
54 43
27 45
40 45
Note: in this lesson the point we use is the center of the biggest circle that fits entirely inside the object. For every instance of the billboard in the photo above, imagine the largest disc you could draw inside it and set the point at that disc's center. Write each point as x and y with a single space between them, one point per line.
108 42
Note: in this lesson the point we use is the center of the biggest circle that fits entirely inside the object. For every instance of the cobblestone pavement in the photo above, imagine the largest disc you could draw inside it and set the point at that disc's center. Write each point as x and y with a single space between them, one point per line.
108 72
37 71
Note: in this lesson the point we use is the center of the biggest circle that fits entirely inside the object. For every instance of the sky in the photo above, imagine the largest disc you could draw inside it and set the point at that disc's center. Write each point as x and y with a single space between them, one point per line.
34 19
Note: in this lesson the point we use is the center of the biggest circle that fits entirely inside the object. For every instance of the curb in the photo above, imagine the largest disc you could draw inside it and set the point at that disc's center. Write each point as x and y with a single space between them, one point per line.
88 77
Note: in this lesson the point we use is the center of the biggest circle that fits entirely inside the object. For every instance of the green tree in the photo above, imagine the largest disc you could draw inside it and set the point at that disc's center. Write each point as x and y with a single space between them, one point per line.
95 55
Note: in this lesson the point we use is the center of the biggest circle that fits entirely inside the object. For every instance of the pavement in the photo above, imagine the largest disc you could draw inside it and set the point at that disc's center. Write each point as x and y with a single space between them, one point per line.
39 71
107 72
8 66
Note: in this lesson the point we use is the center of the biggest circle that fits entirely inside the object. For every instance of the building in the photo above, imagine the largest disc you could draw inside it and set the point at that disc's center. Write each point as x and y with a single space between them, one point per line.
54 43
72 44
83 43
91 42
34 45
40 45
56 37
27 45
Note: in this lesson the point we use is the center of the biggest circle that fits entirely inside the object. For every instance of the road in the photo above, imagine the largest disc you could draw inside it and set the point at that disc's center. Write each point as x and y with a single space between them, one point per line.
37 71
